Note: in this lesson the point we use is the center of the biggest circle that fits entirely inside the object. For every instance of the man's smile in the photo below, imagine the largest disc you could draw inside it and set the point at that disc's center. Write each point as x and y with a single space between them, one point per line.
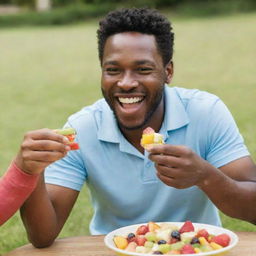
131 100
129 104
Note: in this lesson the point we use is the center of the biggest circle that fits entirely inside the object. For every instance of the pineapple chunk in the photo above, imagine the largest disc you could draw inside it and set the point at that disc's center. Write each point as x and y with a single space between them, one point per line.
120 242
215 246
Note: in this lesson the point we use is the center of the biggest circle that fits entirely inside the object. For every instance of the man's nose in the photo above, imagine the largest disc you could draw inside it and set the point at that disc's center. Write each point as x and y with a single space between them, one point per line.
127 82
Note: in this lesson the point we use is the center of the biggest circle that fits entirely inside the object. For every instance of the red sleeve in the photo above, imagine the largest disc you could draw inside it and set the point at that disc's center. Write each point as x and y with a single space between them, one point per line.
15 187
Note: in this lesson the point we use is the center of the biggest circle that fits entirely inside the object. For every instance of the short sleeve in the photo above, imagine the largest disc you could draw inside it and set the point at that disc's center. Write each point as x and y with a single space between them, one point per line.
224 141
68 172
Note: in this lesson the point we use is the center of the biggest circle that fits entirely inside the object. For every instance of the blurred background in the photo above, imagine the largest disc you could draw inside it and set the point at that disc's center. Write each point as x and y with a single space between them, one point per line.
47 12
49 69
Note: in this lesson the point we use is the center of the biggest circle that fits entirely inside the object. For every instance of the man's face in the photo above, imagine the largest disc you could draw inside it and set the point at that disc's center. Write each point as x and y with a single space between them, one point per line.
133 78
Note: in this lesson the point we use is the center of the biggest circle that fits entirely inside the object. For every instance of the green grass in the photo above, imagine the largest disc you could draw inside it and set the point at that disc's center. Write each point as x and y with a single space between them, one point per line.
49 73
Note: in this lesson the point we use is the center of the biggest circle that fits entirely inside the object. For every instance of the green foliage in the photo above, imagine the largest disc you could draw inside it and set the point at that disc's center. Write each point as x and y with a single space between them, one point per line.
58 16
63 12
30 3
19 2
57 3
215 7
152 3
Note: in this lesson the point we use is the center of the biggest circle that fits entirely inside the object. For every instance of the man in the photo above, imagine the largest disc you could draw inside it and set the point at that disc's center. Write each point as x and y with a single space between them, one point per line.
203 163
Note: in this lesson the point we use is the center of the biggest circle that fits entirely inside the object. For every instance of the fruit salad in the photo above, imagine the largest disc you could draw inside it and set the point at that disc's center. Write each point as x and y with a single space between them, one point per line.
168 239
69 133
150 137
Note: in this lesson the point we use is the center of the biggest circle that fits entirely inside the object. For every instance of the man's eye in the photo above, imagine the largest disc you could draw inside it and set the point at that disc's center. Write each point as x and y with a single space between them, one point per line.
112 70
145 70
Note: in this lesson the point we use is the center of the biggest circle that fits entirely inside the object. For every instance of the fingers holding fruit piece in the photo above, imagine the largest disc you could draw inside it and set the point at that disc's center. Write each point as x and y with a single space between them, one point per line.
39 149
70 134
43 147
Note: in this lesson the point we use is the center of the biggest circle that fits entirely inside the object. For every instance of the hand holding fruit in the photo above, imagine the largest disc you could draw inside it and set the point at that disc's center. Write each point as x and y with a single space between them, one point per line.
39 149
178 166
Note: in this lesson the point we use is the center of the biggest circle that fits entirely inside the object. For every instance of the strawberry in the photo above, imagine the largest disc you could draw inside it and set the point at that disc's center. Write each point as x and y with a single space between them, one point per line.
222 239
203 233
187 249
148 130
140 240
73 145
142 230
187 227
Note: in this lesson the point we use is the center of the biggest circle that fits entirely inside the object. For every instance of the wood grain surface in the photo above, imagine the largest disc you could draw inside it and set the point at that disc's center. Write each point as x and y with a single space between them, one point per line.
94 246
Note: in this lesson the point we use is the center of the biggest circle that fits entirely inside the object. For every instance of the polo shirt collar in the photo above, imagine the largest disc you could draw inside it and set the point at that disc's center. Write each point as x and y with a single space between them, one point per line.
175 118
175 112
108 128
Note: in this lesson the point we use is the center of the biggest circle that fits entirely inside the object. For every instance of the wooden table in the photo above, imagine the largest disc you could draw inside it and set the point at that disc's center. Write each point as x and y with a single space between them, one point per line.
94 246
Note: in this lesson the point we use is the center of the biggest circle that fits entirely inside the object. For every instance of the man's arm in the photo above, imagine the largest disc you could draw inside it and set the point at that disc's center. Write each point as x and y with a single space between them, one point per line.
232 188
46 211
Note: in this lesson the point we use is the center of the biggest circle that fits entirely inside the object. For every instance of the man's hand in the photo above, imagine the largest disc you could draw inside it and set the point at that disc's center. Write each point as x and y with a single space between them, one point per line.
178 166
39 149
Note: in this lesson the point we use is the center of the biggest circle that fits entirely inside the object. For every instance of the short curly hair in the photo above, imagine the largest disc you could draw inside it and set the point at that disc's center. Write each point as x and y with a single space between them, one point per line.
142 20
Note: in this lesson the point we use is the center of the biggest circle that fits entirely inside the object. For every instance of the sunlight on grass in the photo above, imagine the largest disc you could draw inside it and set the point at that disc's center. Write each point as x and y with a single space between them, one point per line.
49 73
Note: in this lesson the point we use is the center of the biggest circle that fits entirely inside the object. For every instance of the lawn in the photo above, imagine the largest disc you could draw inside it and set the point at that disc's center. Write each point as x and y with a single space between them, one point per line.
48 73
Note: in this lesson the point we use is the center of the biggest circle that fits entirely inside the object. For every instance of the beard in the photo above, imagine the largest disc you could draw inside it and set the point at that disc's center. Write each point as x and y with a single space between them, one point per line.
154 103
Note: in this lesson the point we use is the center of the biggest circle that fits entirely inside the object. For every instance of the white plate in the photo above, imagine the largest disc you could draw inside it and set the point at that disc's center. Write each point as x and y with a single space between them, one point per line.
214 230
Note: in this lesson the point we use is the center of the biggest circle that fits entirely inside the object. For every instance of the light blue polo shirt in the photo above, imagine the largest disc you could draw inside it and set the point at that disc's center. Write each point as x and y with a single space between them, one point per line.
122 181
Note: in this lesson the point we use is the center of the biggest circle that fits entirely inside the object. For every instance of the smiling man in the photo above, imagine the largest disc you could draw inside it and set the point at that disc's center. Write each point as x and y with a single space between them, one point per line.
133 82
202 167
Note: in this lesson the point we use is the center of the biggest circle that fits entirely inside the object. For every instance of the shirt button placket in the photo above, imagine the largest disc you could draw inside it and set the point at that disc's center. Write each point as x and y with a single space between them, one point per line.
149 172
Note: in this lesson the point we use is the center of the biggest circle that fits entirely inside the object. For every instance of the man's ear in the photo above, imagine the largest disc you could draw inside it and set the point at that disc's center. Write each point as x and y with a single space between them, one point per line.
169 72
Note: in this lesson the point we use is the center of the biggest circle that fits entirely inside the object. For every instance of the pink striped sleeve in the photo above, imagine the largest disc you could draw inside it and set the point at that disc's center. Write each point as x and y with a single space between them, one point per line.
15 187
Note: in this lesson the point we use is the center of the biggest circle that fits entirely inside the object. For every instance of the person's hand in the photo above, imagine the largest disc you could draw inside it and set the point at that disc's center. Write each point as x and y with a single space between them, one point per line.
39 149
178 166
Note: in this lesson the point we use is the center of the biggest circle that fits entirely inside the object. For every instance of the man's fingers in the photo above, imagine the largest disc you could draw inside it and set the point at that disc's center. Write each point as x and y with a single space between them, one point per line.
41 148
171 172
165 179
172 150
167 160
43 145
167 171
45 134
172 182
43 156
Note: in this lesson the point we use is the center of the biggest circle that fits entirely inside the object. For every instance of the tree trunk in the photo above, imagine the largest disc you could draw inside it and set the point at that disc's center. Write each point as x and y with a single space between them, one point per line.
43 5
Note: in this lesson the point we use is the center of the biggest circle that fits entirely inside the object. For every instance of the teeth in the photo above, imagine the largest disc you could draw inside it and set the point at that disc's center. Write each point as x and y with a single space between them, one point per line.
130 100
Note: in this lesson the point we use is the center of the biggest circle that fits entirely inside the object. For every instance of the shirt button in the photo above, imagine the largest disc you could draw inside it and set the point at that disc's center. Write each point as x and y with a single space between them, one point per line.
148 164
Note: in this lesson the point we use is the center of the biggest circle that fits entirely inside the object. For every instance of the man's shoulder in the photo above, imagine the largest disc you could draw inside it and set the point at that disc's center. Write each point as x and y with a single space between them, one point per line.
196 99
194 94
88 113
